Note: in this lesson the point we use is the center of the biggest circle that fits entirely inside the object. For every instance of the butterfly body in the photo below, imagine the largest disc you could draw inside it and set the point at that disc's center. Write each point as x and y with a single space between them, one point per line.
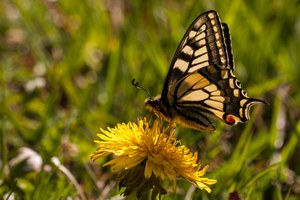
200 84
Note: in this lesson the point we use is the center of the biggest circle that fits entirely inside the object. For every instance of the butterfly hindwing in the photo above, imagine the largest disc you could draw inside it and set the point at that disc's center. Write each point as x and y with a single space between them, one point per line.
213 92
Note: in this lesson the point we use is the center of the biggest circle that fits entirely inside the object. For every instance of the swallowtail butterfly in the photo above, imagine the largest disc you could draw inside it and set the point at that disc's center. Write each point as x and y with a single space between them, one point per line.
200 83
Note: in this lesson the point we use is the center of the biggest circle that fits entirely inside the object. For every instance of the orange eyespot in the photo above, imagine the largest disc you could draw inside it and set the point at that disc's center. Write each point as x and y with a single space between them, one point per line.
229 119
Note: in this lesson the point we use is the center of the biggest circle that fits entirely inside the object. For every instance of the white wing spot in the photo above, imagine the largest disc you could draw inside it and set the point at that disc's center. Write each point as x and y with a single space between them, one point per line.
202 28
236 92
211 88
188 50
231 83
200 59
223 61
197 67
181 64
217 98
213 22
201 51
221 52
211 15
216 93
217 113
241 112
192 34
201 43
214 104
200 36
198 95
243 102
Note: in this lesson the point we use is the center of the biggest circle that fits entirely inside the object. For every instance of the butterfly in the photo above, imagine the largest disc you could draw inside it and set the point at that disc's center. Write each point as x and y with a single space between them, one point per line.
200 84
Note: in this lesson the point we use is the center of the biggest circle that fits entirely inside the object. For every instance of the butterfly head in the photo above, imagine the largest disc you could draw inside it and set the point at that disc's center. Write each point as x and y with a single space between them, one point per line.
157 106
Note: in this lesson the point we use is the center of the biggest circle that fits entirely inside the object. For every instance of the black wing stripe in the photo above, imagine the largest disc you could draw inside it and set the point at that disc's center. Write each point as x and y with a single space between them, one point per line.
199 105
185 57
197 116
199 110
228 46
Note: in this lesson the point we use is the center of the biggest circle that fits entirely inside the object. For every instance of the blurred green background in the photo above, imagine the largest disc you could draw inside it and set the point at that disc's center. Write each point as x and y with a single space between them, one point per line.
66 69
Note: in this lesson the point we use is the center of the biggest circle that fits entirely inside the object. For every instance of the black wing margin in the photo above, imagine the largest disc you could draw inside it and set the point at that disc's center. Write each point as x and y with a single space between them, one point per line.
228 46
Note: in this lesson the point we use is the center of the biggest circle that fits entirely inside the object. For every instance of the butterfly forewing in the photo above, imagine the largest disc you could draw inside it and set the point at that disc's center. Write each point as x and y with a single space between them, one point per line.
202 45
200 83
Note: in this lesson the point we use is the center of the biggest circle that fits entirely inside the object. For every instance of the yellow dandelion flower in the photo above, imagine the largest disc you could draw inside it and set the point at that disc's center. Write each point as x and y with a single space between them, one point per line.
146 155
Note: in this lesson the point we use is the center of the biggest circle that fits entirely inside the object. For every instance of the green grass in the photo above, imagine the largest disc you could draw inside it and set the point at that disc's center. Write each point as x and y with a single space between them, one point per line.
66 69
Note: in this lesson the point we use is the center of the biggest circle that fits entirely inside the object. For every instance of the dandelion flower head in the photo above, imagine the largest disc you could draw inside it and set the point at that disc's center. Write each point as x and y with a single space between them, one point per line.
151 151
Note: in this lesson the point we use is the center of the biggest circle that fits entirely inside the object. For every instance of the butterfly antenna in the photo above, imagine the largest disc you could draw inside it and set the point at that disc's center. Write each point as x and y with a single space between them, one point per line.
136 84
